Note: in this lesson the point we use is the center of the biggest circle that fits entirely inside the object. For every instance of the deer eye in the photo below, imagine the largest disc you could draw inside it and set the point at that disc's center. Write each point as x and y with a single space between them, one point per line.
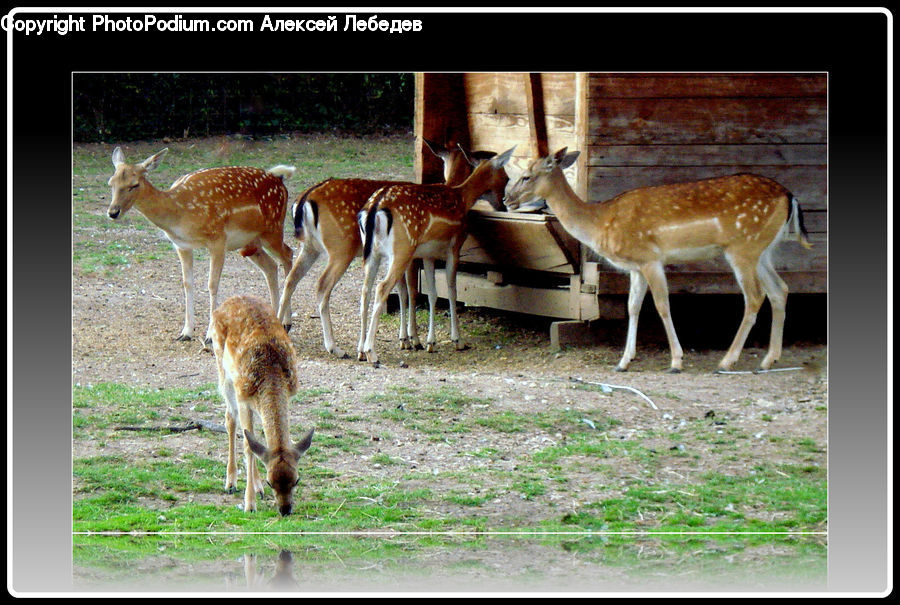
133 187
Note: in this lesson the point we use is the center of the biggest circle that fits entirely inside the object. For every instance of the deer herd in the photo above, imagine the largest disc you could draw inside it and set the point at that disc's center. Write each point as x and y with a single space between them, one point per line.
742 217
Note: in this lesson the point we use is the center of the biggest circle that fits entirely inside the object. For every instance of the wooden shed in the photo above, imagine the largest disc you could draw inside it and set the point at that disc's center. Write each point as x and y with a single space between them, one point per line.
633 130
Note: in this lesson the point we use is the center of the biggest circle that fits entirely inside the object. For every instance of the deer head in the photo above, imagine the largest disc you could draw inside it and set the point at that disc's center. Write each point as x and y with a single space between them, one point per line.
129 181
281 467
536 182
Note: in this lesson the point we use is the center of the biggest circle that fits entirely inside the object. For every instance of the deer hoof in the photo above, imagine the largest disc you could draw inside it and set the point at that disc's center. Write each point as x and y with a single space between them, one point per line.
183 337
674 371
231 490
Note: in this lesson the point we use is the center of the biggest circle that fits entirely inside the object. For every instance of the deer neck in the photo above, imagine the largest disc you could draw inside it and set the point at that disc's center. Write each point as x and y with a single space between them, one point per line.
160 207
575 215
472 188
273 410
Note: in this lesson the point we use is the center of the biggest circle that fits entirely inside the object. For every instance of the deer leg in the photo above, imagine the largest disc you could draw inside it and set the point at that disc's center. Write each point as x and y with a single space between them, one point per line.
636 293
216 262
249 460
285 256
406 289
655 275
371 271
302 264
395 273
431 291
412 288
334 270
269 270
777 292
450 272
226 388
186 256
745 272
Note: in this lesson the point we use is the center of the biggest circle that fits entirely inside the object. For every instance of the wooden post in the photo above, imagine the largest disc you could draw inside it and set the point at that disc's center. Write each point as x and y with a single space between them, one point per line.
537 124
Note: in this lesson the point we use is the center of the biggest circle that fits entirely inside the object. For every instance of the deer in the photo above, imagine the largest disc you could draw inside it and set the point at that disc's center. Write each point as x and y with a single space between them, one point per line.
458 165
325 219
405 222
741 216
220 209
257 370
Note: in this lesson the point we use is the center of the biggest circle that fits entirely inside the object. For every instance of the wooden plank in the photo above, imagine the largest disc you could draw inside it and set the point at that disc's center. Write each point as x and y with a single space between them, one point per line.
502 93
582 117
537 126
502 131
651 85
534 242
789 256
799 282
707 121
707 155
476 291
807 183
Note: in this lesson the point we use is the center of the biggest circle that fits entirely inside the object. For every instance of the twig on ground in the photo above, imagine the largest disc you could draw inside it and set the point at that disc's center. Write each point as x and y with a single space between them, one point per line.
608 388
194 425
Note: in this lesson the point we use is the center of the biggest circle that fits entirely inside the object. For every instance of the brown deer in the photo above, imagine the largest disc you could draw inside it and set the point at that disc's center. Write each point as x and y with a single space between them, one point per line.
405 222
325 218
742 216
220 209
257 376
458 165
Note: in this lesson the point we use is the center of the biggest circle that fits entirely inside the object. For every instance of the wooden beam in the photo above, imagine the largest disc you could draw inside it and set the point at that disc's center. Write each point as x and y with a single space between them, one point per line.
537 124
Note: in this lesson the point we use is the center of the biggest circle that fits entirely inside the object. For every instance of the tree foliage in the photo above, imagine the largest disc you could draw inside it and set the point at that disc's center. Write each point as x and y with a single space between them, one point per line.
132 106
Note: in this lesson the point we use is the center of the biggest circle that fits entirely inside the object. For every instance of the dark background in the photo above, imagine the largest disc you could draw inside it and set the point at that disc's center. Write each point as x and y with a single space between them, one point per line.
852 47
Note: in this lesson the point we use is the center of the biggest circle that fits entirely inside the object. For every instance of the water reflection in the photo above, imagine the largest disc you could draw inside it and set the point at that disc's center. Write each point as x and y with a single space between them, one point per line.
440 563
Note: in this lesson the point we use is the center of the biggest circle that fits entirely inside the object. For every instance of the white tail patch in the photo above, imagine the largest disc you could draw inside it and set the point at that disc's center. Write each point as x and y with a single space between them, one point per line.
282 171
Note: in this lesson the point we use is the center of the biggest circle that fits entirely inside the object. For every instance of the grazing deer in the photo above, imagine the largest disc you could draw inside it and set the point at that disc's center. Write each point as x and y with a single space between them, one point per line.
742 216
257 376
325 219
220 209
405 222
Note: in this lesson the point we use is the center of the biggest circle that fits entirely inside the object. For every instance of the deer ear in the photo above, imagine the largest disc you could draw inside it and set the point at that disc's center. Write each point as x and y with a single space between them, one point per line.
502 159
569 159
304 442
154 160
437 149
261 451
118 157
473 162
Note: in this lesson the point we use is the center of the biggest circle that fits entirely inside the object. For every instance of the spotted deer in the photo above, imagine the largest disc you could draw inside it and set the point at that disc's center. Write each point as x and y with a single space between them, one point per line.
325 219
220 209
404 222
257 369
742 216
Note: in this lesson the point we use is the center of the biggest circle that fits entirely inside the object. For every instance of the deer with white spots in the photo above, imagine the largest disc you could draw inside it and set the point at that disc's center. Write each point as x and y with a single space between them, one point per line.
325 219
220 209
742 216
404 222
257 369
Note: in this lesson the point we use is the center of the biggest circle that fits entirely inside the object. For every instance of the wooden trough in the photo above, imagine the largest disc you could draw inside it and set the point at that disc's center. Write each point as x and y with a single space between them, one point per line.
633 130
